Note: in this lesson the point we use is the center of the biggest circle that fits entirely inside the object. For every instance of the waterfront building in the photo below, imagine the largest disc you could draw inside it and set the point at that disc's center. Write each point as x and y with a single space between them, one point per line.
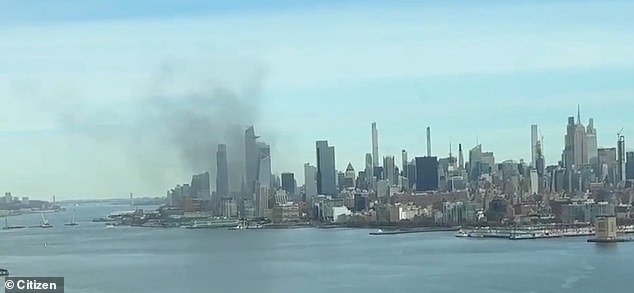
458 213
288 212
229 207
326 173
586 211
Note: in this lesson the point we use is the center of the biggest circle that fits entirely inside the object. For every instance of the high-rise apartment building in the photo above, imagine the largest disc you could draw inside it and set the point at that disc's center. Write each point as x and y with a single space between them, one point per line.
375 146
326 173
534 141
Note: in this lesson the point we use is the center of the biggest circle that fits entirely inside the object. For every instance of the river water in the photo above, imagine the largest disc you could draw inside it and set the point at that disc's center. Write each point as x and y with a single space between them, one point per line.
131 259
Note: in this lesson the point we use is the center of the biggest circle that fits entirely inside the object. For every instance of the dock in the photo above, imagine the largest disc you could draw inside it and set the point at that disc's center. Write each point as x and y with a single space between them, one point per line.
535 232
421 230
615 240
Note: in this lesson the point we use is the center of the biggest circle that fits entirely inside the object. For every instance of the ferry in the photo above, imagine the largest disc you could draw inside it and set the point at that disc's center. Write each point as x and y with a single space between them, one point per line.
211 224
4 272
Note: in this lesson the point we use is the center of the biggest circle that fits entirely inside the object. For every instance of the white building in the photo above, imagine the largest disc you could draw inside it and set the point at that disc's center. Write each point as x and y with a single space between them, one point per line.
338 212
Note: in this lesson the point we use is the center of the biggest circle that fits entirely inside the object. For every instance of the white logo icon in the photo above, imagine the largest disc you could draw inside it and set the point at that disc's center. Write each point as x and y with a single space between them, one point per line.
9 284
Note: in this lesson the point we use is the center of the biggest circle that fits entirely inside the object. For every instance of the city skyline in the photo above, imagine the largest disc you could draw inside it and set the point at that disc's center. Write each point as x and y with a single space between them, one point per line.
77 115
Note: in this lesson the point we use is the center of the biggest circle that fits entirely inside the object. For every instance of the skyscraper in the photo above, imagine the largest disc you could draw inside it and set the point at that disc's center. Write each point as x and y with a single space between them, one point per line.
251 159
288 183
404 163
460 157
426 173
375 146
369 168
326 173
222 171
608 165
199 186
591 144
629 166
389 170
310 181
263 180
534 140
264 164
620 158
428 141
349 177
575 151
475 162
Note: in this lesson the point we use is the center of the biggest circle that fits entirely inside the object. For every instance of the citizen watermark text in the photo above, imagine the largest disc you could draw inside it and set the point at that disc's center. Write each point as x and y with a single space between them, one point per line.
34 285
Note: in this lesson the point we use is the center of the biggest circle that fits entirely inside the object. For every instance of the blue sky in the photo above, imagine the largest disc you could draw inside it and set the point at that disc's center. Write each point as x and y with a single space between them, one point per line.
323 69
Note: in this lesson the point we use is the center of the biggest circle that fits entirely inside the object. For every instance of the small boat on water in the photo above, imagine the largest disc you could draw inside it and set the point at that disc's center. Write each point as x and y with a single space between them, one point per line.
462 233
4 272
45 223
72 222
109 225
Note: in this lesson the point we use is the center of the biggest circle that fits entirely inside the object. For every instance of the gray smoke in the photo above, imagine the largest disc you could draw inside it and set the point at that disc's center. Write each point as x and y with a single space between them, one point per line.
198 118
175 118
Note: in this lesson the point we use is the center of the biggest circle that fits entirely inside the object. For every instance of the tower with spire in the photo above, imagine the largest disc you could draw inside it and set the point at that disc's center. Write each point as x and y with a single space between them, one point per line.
576 148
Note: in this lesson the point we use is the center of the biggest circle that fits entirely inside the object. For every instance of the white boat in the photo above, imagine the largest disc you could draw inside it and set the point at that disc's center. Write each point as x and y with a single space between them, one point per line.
45 223
109 225
461 233
72 222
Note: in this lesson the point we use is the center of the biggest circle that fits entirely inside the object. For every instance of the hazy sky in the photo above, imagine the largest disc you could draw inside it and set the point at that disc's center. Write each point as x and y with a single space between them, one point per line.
92 91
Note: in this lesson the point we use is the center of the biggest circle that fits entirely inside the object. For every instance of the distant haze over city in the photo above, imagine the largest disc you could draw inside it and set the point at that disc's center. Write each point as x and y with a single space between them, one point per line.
109 98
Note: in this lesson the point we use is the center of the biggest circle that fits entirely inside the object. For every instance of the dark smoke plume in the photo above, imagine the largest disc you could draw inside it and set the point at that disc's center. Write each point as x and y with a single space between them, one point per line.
183 114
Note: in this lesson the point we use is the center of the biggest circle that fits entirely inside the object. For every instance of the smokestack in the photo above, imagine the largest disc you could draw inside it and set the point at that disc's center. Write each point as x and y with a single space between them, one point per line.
428 141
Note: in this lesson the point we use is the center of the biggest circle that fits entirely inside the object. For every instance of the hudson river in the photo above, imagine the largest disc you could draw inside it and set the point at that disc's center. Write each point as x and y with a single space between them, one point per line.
128 259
